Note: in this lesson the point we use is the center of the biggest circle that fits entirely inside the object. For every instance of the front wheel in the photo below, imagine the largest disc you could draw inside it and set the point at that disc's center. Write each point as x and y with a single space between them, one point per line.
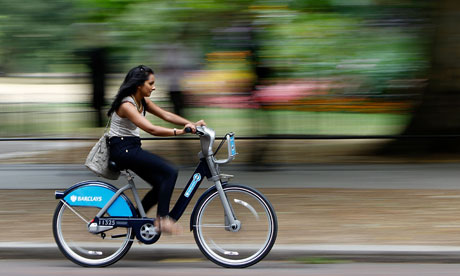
70 229
241 248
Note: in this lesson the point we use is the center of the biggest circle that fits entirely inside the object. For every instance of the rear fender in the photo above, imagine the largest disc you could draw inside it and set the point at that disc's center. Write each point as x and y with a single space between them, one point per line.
97 194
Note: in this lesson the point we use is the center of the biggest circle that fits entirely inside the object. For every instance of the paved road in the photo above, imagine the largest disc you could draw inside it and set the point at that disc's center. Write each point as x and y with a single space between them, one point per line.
384 176
193 267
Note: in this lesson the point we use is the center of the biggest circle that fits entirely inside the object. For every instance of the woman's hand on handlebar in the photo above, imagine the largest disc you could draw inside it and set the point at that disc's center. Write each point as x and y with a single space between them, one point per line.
191 128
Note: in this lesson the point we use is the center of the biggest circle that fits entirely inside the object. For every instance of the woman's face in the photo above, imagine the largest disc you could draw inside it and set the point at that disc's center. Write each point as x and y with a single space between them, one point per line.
148 87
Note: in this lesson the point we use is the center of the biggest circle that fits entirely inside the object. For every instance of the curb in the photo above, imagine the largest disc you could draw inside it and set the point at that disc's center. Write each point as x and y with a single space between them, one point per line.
356 253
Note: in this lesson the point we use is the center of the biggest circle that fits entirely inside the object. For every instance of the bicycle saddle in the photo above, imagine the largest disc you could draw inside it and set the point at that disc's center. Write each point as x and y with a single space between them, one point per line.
113 166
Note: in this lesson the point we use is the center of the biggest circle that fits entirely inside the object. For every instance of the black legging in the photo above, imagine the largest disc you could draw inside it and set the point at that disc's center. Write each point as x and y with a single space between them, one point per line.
128 154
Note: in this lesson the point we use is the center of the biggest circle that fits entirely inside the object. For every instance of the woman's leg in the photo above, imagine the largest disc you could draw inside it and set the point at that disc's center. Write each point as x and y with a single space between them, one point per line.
151 198
156 171
160 174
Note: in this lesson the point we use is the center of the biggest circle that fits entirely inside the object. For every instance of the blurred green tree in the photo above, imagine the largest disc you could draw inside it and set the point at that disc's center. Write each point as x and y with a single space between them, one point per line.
438 111
32 31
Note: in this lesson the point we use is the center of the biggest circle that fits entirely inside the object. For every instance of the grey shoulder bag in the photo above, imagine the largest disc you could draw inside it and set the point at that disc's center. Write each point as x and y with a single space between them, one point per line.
98 158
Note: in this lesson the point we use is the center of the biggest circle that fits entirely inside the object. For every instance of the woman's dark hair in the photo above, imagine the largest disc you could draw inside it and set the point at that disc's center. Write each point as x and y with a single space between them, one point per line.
135 77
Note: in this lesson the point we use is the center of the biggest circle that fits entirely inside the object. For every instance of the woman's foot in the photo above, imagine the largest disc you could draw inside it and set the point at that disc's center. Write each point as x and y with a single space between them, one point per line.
168 225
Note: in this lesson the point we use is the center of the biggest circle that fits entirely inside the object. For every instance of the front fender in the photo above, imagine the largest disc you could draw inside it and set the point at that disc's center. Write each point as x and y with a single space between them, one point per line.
96 194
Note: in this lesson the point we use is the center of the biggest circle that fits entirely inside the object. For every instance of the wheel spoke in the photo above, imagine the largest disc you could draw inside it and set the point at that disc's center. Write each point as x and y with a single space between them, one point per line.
75 212
84 251
247 205
223 251
210 225
241 248
85 248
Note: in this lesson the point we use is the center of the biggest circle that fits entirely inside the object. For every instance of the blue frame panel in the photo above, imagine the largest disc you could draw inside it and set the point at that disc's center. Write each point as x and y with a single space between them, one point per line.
97 194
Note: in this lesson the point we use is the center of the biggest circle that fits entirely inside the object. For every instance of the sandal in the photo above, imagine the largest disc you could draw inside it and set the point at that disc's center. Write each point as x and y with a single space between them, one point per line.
168 225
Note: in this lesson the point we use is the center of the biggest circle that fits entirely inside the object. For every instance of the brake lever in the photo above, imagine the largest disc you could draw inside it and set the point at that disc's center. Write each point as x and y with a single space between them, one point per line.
199 130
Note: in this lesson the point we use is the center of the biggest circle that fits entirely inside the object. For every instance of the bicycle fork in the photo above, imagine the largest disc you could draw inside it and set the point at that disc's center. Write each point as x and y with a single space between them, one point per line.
231 222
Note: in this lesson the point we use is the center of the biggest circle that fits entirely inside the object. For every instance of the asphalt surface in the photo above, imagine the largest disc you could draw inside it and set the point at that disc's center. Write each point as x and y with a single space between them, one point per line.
194 267
365 177
286 253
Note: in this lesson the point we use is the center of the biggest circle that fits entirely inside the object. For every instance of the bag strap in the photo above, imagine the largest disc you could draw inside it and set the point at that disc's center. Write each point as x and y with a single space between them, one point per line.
108 124
143 105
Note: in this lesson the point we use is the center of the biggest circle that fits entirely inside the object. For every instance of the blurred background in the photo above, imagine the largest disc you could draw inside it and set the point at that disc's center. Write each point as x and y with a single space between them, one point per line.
382 72
315 91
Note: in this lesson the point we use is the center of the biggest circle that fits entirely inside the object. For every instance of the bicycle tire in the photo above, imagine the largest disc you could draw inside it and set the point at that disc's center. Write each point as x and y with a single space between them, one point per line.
83 256
240 250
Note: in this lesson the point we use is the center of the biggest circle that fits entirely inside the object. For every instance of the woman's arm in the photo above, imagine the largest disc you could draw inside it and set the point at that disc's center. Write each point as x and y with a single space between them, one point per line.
128 110
165 115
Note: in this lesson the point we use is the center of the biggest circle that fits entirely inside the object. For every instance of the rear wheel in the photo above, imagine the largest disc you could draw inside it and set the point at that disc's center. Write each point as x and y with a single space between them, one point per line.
70 229
241 248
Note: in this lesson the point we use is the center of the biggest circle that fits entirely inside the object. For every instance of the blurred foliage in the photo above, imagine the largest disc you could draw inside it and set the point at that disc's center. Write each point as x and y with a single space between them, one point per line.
381 40
365 49
35 34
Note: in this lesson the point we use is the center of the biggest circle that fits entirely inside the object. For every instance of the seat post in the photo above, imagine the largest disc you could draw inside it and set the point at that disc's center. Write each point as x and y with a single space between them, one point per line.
128 175
131 184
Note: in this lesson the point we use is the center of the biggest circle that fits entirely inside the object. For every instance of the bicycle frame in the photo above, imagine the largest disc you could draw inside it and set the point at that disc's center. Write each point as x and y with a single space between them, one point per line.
207 167
193 184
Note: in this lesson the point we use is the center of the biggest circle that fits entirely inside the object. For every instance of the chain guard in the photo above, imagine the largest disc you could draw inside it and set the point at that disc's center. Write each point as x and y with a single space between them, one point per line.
147 233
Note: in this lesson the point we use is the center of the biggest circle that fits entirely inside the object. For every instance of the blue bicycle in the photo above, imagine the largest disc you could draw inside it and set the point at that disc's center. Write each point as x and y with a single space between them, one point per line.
95 223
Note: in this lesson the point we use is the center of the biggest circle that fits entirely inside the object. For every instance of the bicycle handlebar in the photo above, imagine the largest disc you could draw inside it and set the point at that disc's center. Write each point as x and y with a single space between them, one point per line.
207 136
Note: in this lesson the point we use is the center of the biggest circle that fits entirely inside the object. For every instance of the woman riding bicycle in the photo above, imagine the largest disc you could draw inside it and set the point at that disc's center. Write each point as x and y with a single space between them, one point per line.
127 116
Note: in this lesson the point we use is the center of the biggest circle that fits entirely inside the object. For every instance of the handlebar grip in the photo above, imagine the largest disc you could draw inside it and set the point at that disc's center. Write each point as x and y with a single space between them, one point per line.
188 130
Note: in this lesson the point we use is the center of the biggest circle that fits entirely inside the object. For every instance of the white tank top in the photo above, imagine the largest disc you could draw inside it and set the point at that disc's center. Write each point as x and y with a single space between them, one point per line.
123 127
